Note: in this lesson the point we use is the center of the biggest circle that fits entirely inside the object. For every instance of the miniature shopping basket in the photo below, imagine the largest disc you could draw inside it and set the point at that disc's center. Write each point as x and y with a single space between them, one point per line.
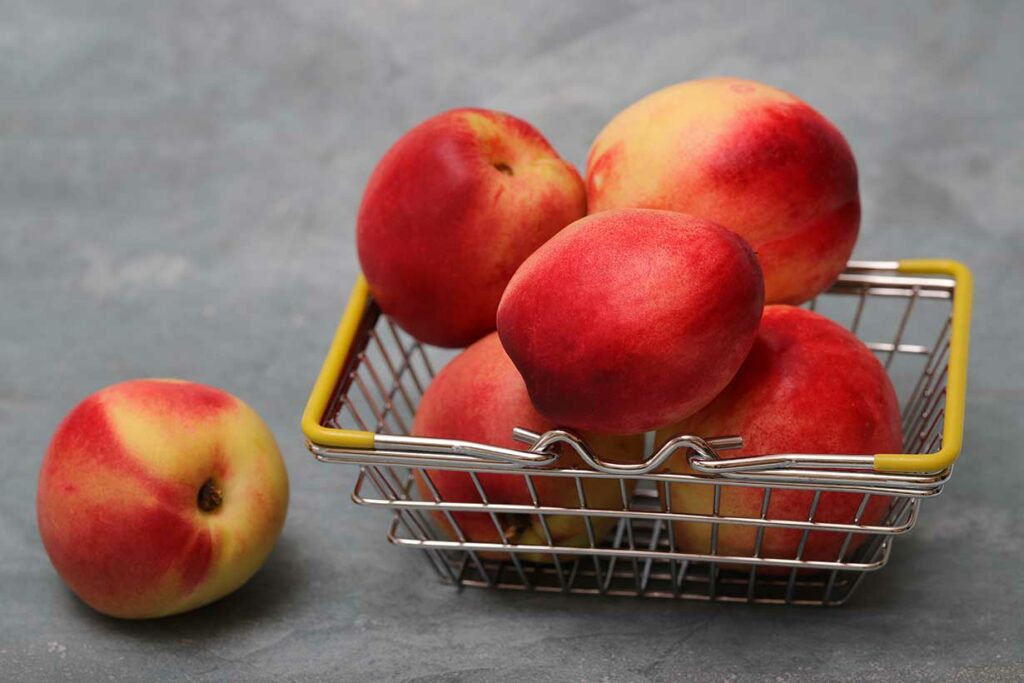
915 316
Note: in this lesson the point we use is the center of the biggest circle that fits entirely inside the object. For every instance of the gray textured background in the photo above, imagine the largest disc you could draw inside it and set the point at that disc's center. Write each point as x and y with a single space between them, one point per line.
177 195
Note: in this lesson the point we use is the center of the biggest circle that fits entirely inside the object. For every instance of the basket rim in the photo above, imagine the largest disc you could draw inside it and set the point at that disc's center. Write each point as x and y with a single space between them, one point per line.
959 283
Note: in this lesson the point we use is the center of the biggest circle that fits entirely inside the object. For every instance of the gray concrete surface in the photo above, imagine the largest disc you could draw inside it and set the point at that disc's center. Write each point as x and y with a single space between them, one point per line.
178 188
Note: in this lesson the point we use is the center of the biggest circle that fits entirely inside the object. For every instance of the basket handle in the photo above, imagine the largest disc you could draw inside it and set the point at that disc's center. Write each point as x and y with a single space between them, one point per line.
956 379
705 449
330 374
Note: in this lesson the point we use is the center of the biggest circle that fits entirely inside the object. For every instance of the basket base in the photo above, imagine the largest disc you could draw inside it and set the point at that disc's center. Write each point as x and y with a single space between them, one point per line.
591 574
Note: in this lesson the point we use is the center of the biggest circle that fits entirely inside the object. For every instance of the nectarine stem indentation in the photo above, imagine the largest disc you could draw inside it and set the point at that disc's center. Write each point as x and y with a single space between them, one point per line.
504 168
210 497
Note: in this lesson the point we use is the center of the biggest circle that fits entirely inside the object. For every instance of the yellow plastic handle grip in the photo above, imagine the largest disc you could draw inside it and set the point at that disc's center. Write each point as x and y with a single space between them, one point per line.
316 406
956 378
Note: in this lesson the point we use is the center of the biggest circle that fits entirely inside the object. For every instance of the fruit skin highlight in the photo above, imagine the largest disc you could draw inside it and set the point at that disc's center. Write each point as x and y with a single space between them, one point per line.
808 386
629 320
158 496
753 158
479 396
450 212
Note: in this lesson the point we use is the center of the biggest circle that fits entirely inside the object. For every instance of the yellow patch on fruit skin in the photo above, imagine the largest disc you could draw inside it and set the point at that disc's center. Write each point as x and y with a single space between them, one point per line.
557 172
488 135
697 112
158 441
505 144
559 526
481 124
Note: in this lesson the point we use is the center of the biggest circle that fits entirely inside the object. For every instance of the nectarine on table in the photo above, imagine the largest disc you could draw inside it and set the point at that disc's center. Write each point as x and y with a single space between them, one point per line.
479 396
808 386
451 211
755 159
159 496
629 320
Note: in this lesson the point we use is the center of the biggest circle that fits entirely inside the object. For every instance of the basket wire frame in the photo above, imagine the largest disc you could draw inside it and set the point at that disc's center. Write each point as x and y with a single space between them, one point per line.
905 321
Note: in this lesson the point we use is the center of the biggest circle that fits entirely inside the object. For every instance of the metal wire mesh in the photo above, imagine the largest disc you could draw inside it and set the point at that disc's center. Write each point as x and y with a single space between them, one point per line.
629 547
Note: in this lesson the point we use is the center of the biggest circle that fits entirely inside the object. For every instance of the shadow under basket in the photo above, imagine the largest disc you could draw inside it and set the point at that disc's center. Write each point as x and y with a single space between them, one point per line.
915 316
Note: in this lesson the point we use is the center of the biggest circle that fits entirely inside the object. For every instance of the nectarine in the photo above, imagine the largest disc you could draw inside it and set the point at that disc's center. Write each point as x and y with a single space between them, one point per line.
748 156
451 211
159 496
628 320
808 386
479 396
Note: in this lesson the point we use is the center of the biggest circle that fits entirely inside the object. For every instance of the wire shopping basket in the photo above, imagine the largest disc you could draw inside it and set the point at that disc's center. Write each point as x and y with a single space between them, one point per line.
915 316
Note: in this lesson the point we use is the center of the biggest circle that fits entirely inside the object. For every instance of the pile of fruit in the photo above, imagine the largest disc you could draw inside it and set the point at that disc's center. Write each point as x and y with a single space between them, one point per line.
659 294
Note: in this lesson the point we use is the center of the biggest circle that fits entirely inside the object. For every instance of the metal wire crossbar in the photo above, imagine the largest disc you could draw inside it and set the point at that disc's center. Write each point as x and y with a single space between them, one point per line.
631 546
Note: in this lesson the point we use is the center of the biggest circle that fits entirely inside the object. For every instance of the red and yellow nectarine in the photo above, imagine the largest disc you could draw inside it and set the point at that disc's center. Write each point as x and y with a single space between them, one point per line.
451 211
479 396
748 156
808 386
159 496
